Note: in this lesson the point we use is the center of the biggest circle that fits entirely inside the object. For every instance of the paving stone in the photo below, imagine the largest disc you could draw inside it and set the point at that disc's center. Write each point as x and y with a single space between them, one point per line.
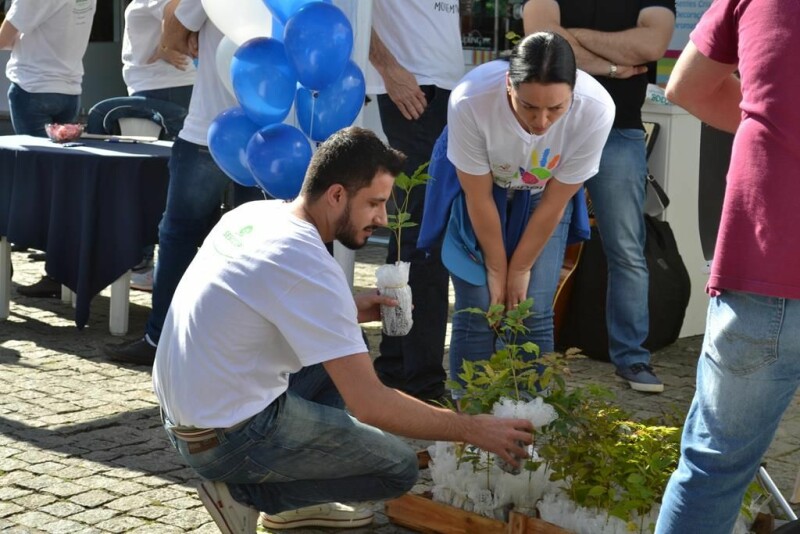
95 516
125 504
93 498
8 508
187 519
62 526
61 509
157 528
150 512
121 524
64 489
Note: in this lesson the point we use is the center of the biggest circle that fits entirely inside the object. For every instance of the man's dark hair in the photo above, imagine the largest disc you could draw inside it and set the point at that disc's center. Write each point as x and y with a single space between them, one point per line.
542 57
351 157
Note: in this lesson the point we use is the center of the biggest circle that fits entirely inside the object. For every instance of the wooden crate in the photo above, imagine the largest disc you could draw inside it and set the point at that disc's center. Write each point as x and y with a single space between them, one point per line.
422 514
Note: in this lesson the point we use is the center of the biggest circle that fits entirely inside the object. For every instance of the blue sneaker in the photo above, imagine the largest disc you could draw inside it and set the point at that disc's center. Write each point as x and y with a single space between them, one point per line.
641 378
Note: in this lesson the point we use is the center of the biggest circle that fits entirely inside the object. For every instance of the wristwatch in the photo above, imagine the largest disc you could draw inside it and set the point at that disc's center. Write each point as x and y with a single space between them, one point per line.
612 70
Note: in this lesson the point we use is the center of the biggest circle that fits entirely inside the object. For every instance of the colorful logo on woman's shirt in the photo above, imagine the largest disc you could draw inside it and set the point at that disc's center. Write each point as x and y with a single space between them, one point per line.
541 168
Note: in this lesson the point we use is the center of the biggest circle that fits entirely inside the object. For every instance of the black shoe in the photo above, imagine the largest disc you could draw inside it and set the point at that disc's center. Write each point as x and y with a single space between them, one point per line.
18 248
37 256
138 352
47 288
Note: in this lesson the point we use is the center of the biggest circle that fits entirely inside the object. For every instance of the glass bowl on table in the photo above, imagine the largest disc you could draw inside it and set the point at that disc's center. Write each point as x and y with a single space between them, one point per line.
63 133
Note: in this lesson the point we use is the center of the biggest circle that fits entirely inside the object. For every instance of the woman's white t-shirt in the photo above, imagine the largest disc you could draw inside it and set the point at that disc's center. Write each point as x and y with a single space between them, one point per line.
47 57
141 38
485 136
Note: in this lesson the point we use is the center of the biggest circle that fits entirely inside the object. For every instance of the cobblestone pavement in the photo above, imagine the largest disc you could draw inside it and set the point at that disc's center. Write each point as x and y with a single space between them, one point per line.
81 445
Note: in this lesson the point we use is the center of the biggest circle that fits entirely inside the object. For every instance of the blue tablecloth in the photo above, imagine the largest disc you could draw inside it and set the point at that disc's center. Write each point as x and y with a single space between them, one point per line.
91 208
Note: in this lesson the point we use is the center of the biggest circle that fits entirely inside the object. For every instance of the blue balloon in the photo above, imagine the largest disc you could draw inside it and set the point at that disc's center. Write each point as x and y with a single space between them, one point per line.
228 136
277 29
284 9
318 41
322 113
263 80
278 157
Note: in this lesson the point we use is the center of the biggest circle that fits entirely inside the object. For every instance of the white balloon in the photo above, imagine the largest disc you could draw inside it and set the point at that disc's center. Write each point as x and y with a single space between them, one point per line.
225 51
240 21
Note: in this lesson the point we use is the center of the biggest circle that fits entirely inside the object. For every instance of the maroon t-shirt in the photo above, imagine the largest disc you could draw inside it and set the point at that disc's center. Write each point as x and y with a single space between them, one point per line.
758 247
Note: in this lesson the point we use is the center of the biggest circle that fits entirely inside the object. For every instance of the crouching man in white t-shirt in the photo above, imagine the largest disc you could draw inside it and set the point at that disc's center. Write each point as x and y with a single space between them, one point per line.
261 350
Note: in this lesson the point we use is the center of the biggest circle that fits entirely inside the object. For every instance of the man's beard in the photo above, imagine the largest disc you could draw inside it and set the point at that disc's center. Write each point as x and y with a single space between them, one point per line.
346 232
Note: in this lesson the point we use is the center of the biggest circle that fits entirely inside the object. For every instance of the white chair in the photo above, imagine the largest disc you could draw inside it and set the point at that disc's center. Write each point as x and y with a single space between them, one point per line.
139 127
121 288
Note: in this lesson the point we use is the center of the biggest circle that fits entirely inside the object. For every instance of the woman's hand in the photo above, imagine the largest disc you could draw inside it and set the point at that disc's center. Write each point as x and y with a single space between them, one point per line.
496 282
517 287
369 305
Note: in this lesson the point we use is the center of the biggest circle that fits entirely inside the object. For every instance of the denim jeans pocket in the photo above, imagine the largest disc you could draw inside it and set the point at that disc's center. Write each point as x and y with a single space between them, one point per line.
745 330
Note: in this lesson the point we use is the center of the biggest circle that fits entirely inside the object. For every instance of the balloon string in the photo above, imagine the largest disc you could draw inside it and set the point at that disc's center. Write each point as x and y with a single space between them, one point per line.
314 95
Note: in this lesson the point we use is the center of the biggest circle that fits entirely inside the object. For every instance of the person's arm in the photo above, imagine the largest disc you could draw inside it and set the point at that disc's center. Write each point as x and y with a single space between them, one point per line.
545 15
707 89
175 36
541 224
635 46
485 221
372 403
8 35
401 85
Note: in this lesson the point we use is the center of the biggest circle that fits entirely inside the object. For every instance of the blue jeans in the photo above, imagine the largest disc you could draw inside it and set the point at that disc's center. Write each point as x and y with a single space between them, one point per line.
167 107
31 111
618 193
196 186
413 363
472 339
747 375
304 449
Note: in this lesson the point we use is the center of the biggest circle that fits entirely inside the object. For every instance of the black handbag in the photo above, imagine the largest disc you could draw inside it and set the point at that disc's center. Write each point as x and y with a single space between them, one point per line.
584 323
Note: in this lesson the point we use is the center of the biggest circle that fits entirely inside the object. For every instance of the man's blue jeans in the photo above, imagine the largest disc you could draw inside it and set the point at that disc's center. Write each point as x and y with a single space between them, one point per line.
747 375
472 339
413 363
618 193
167 107
194 197
31 111
304 449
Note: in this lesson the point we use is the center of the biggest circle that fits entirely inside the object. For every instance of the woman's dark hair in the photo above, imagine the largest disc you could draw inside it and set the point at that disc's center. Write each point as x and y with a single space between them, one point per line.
542 57
351 157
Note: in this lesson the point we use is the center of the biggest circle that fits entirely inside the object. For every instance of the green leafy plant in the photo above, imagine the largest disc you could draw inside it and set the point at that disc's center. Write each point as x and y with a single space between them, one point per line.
603 457
401 218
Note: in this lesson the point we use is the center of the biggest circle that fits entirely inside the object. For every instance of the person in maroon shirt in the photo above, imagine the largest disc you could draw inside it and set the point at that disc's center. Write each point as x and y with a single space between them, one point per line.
749 367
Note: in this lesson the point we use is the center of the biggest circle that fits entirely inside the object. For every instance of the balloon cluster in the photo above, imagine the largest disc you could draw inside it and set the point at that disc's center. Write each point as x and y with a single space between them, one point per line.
305 63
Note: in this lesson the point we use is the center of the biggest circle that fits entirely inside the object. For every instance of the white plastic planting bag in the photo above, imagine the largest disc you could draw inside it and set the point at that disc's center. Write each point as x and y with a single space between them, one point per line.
392 281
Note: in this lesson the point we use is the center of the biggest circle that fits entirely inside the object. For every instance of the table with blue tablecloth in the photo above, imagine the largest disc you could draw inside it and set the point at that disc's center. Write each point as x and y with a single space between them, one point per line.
91 208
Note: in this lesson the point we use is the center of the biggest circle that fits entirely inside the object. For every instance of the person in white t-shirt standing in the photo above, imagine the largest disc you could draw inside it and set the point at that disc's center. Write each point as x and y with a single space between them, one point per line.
523 135
196 183
47 42
159 81
261 351
416 50
159 85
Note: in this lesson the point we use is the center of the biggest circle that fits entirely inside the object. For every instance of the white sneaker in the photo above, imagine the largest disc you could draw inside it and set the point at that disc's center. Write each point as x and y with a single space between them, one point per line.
332 514
142 281
230 516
